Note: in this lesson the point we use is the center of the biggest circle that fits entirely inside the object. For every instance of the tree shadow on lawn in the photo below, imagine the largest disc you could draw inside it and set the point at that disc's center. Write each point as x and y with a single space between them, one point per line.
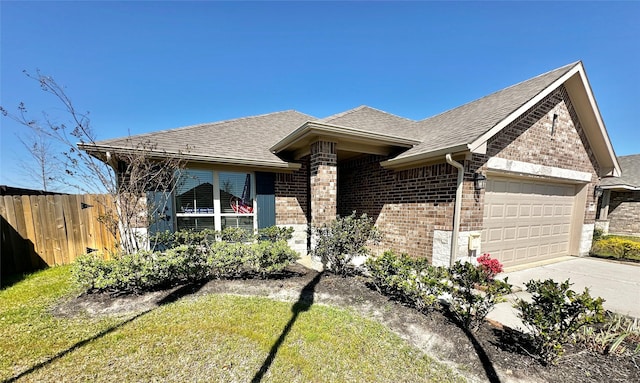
485 360
175 295
305 301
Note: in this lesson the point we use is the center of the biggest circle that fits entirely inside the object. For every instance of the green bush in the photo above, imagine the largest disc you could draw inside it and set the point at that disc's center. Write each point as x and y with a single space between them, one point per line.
236 234
275 233
597 233
345 238
554 314
146 270
168 240
473 293
409 279
616 247
92 272
272 257
228 259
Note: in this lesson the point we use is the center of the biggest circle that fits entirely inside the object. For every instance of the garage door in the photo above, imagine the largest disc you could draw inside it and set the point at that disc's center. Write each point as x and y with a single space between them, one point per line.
526 221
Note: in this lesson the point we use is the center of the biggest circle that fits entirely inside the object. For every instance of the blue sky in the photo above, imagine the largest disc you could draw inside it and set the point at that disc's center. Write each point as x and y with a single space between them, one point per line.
146 66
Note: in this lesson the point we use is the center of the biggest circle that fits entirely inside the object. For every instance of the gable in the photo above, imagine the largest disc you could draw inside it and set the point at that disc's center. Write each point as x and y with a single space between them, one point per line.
548 134
470 127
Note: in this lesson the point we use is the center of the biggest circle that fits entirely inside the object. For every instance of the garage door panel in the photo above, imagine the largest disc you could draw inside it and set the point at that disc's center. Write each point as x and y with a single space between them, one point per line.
527 221
496 211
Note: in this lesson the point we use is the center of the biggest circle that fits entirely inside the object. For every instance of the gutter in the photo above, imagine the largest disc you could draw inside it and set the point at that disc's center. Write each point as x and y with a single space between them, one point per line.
194 157
416 159
456 208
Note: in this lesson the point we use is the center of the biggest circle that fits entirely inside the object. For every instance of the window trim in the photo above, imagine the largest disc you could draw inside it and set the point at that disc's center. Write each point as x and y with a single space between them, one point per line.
217 206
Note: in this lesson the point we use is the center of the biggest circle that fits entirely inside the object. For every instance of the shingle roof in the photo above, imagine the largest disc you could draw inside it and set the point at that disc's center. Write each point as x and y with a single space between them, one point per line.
630 177
462 125
247 138
375 121
250 138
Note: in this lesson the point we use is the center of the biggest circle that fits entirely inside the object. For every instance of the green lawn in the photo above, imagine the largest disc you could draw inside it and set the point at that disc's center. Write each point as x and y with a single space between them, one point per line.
207 338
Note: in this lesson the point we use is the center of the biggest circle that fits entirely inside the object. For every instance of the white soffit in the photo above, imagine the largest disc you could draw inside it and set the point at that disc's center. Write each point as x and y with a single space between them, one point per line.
526 168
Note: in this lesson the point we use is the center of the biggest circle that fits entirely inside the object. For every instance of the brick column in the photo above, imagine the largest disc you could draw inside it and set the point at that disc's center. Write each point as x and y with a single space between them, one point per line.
324 182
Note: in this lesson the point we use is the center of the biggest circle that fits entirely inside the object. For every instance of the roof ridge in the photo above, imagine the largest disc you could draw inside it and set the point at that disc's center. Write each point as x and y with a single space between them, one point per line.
341 114
361 107
205 124
567 67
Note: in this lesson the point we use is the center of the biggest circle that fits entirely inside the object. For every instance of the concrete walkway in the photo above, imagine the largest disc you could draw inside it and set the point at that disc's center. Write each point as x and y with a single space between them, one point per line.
617 283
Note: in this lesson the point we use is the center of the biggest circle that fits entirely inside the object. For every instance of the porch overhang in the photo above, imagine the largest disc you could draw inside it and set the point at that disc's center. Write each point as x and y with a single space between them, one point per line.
297 144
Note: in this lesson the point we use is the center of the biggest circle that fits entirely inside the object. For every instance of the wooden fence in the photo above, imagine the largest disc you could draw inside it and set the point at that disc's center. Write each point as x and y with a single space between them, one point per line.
47 230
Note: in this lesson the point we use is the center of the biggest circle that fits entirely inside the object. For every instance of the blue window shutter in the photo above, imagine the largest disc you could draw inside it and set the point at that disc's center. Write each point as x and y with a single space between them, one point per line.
266 199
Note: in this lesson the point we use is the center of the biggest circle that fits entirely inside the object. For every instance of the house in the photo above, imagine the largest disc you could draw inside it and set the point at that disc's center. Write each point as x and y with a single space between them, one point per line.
512 174
619 204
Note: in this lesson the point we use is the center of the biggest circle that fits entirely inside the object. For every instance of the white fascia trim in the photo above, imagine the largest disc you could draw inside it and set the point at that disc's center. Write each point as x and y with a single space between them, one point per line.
616 171
515 114
526 168
620 187
339 131
423 157
196 157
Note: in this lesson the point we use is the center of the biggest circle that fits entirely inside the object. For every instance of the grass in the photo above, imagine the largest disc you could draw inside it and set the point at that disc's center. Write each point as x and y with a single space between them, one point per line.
206 338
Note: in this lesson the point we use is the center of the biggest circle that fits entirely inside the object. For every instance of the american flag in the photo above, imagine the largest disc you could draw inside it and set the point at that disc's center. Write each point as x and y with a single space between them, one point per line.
242 205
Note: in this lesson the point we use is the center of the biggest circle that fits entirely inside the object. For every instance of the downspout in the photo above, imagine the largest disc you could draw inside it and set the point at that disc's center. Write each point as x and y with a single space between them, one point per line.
456 208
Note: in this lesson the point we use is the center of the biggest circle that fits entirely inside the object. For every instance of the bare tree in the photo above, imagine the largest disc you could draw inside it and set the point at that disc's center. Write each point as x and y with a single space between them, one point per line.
128 175
43 167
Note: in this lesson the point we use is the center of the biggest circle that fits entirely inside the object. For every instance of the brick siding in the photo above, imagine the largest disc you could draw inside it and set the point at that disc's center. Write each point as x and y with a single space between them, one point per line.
624 210
323 182
408 205
530 139
291 192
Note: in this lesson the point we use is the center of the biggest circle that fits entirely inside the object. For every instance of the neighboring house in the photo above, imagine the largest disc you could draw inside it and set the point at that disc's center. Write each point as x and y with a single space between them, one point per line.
619 211
529 156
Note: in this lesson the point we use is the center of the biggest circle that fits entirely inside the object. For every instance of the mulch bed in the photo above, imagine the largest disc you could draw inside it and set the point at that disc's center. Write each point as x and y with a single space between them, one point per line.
490 354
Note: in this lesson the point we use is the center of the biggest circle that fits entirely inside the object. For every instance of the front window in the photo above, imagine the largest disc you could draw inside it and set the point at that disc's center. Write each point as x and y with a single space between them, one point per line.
207 199
236 200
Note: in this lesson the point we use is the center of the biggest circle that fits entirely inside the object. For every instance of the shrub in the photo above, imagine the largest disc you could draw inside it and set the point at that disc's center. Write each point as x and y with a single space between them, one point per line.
275 233
618 335
490 266
616 247
345 238
555 313
412 280
272 257
474 292
597 233
236 234
168 240
228 259
184 263
91 272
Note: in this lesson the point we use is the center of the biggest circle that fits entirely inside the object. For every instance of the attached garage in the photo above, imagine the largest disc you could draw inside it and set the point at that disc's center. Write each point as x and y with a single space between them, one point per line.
527 220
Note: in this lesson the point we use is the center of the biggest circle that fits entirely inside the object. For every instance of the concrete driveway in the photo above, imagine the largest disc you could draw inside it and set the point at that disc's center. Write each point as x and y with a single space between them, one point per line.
618 283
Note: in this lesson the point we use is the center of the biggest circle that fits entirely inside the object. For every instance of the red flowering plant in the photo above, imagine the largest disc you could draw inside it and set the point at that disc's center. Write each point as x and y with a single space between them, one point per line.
490 266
